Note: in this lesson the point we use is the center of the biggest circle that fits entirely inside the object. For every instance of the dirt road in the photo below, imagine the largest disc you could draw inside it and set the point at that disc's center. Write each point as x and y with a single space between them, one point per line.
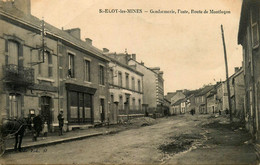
186 139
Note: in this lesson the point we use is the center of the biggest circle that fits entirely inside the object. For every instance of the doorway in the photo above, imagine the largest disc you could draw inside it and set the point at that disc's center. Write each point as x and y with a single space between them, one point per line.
46 110
102 110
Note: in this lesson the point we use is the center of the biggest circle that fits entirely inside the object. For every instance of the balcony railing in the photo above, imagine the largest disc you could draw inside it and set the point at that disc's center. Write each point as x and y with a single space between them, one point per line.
18 75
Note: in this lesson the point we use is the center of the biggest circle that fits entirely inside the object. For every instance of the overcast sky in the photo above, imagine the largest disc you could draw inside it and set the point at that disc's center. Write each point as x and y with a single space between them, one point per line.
187 47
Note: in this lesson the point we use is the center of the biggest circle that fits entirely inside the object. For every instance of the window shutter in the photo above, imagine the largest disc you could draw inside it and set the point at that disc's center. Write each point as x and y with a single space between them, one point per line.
39 102
99 78
20 56
6 45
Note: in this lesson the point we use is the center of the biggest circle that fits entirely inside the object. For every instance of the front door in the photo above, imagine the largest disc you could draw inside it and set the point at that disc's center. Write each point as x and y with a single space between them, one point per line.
102 110
46 109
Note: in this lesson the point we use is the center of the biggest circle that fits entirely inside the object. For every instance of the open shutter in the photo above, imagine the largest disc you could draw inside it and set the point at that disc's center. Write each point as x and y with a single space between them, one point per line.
20 56
6 50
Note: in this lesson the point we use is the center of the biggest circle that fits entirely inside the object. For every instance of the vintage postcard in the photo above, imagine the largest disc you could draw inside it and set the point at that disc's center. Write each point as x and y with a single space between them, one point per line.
129 82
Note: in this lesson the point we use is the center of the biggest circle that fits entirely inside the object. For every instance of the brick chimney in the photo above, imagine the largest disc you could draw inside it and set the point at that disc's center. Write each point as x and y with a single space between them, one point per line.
236 69
88 41
23 5
134 57
105 50
75 32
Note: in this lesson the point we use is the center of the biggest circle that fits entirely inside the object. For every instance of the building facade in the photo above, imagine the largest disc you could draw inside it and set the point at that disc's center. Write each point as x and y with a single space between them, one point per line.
248 37
153 85
125 87
237 93
46 70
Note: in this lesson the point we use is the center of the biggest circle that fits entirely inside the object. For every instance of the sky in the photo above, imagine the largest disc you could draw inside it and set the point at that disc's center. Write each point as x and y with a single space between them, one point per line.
187 47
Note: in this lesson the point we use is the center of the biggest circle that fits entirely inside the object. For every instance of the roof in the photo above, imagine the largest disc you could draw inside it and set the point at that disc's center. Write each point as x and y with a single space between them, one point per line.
10 11
124 65
179 101
166 100
146 67
212 93
170 95
244 18
205 90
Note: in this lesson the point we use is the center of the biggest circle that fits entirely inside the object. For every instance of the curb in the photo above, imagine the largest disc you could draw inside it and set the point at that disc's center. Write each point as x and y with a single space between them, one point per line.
58 141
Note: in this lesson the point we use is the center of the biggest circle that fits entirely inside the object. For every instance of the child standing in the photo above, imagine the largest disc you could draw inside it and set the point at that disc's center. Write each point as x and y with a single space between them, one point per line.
45 129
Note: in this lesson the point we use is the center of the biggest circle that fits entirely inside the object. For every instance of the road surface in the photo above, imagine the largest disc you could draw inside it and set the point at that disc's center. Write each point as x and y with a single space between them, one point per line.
182 139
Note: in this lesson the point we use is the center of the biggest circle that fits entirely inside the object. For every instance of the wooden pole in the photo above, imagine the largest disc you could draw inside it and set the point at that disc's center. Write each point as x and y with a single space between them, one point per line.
227 79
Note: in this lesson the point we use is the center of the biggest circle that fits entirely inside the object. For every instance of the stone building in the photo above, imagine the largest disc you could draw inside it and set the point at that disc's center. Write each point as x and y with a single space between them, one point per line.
237 93
125 87
248 37
211 101
153 85
201 99
43 73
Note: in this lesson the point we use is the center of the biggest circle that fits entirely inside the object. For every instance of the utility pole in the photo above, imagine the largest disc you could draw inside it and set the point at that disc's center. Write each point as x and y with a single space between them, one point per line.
227 79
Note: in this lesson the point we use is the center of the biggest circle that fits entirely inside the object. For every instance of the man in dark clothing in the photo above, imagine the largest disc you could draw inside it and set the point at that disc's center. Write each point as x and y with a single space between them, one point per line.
37 126
61 122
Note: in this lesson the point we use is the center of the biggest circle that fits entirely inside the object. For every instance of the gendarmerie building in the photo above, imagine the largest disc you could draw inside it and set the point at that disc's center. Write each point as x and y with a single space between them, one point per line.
125 86
45 70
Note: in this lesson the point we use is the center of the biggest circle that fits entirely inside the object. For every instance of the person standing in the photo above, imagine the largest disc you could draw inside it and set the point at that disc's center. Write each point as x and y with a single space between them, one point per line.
61 122
45 129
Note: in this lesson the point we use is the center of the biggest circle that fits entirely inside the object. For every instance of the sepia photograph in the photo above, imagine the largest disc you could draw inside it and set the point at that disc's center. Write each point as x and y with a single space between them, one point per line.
129 82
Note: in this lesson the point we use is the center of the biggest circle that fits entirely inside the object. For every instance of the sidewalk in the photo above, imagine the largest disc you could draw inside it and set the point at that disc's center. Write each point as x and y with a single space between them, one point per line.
54 138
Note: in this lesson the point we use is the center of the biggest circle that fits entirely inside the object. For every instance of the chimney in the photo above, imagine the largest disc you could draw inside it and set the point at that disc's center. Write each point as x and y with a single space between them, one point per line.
161 73
142 63
23 5
88 41
128 57
134 57
75 32
236 69
105 50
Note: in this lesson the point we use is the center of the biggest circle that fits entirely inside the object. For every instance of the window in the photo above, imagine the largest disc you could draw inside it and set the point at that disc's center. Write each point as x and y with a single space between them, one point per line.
133 103
50 66
87 71
127 80
71 70
15 106
139 86
254 26
120 102
133 83
140 104
13 49
111 76
120 79
101 75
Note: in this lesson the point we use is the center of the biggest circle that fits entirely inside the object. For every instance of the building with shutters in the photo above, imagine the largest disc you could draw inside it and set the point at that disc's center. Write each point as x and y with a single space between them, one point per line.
125 87
153 85
46 76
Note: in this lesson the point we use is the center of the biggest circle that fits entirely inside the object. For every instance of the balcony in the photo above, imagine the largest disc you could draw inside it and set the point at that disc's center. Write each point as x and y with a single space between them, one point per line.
16 75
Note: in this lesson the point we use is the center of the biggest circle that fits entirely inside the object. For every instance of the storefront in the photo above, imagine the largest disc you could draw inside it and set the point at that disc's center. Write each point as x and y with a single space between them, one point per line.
80 104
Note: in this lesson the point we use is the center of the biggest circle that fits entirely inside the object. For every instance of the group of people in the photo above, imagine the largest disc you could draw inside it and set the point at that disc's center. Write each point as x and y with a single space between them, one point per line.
39 124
